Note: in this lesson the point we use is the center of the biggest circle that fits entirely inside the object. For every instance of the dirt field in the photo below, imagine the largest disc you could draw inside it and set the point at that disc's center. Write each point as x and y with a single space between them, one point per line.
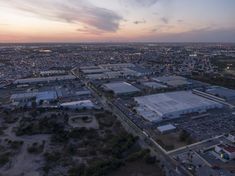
172 139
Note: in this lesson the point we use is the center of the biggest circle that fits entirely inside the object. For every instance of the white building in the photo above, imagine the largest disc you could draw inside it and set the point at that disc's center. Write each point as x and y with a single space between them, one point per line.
34 96
174 81
231 137
225 151
121 88
172 105
84 104
44 79
166 128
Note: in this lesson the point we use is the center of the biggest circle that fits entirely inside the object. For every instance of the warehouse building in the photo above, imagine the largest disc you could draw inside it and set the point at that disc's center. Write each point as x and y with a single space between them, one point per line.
121 88
173 81
225 151
83 104
44 79
171 105
34 96
166 128
154 85
222 92
110 71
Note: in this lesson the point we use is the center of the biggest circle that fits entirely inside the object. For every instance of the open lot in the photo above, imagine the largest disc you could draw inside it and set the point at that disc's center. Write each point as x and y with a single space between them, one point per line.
36 143
171 140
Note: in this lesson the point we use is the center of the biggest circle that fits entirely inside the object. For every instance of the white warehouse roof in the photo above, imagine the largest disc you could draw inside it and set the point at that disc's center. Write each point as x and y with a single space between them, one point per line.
44 79
121 87
173 104
165 128
46 95
78 104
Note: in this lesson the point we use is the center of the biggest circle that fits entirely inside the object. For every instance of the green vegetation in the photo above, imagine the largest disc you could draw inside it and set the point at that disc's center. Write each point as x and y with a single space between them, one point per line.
44 125
15 145
185 137
4 158
36 148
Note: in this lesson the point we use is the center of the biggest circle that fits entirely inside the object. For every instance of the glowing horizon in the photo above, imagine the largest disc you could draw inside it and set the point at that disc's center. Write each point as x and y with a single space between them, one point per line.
117 20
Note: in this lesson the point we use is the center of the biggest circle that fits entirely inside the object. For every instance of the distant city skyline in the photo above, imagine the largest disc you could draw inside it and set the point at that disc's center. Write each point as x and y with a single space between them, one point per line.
117 21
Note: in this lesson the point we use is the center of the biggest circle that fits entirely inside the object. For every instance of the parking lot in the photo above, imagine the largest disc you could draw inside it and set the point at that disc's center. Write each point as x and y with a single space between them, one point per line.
216 123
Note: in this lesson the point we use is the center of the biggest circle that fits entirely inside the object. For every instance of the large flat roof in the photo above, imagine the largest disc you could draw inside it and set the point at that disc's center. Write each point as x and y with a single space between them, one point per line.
121 87
172 80
165 128
222 92
82 103
46 95
44 79
173 104
154 85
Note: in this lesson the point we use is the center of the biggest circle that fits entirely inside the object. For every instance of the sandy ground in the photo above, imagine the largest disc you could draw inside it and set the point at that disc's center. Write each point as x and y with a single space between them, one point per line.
23 164
79 123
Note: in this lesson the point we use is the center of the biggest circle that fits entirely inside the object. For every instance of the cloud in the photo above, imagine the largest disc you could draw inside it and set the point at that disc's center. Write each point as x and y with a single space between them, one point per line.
139 3
180 21
139 22
91 31
165 20
71 11
146 3
205 34
161 28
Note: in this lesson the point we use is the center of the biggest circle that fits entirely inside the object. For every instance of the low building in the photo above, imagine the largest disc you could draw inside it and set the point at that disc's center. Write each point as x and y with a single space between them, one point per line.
166 128
225 151
120 88
231 137
34 96
222 92
173 81
154 85
52 72
83 93
44 79
83 104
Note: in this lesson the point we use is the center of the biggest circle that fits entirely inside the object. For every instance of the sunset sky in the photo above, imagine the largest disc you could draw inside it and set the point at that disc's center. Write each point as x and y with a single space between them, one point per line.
117 20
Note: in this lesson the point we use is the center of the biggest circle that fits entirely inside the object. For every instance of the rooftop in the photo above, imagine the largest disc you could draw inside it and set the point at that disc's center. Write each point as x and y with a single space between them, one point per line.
166 127
172 80
121 87
222 92
175 103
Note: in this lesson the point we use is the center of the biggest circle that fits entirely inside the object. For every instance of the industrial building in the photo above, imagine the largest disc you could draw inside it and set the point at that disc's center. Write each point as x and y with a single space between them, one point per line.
231 137
222 92
110 71
166 128
34 96
44 79
120 88
52 72
173 81
84 104
154 85
225 151
171 105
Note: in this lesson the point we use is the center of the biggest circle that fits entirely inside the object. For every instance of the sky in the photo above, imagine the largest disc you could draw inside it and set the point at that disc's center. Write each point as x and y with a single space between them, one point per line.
117 21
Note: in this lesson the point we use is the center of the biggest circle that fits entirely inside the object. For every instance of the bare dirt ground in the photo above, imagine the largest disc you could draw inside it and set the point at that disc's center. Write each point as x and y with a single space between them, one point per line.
23 163
172 139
